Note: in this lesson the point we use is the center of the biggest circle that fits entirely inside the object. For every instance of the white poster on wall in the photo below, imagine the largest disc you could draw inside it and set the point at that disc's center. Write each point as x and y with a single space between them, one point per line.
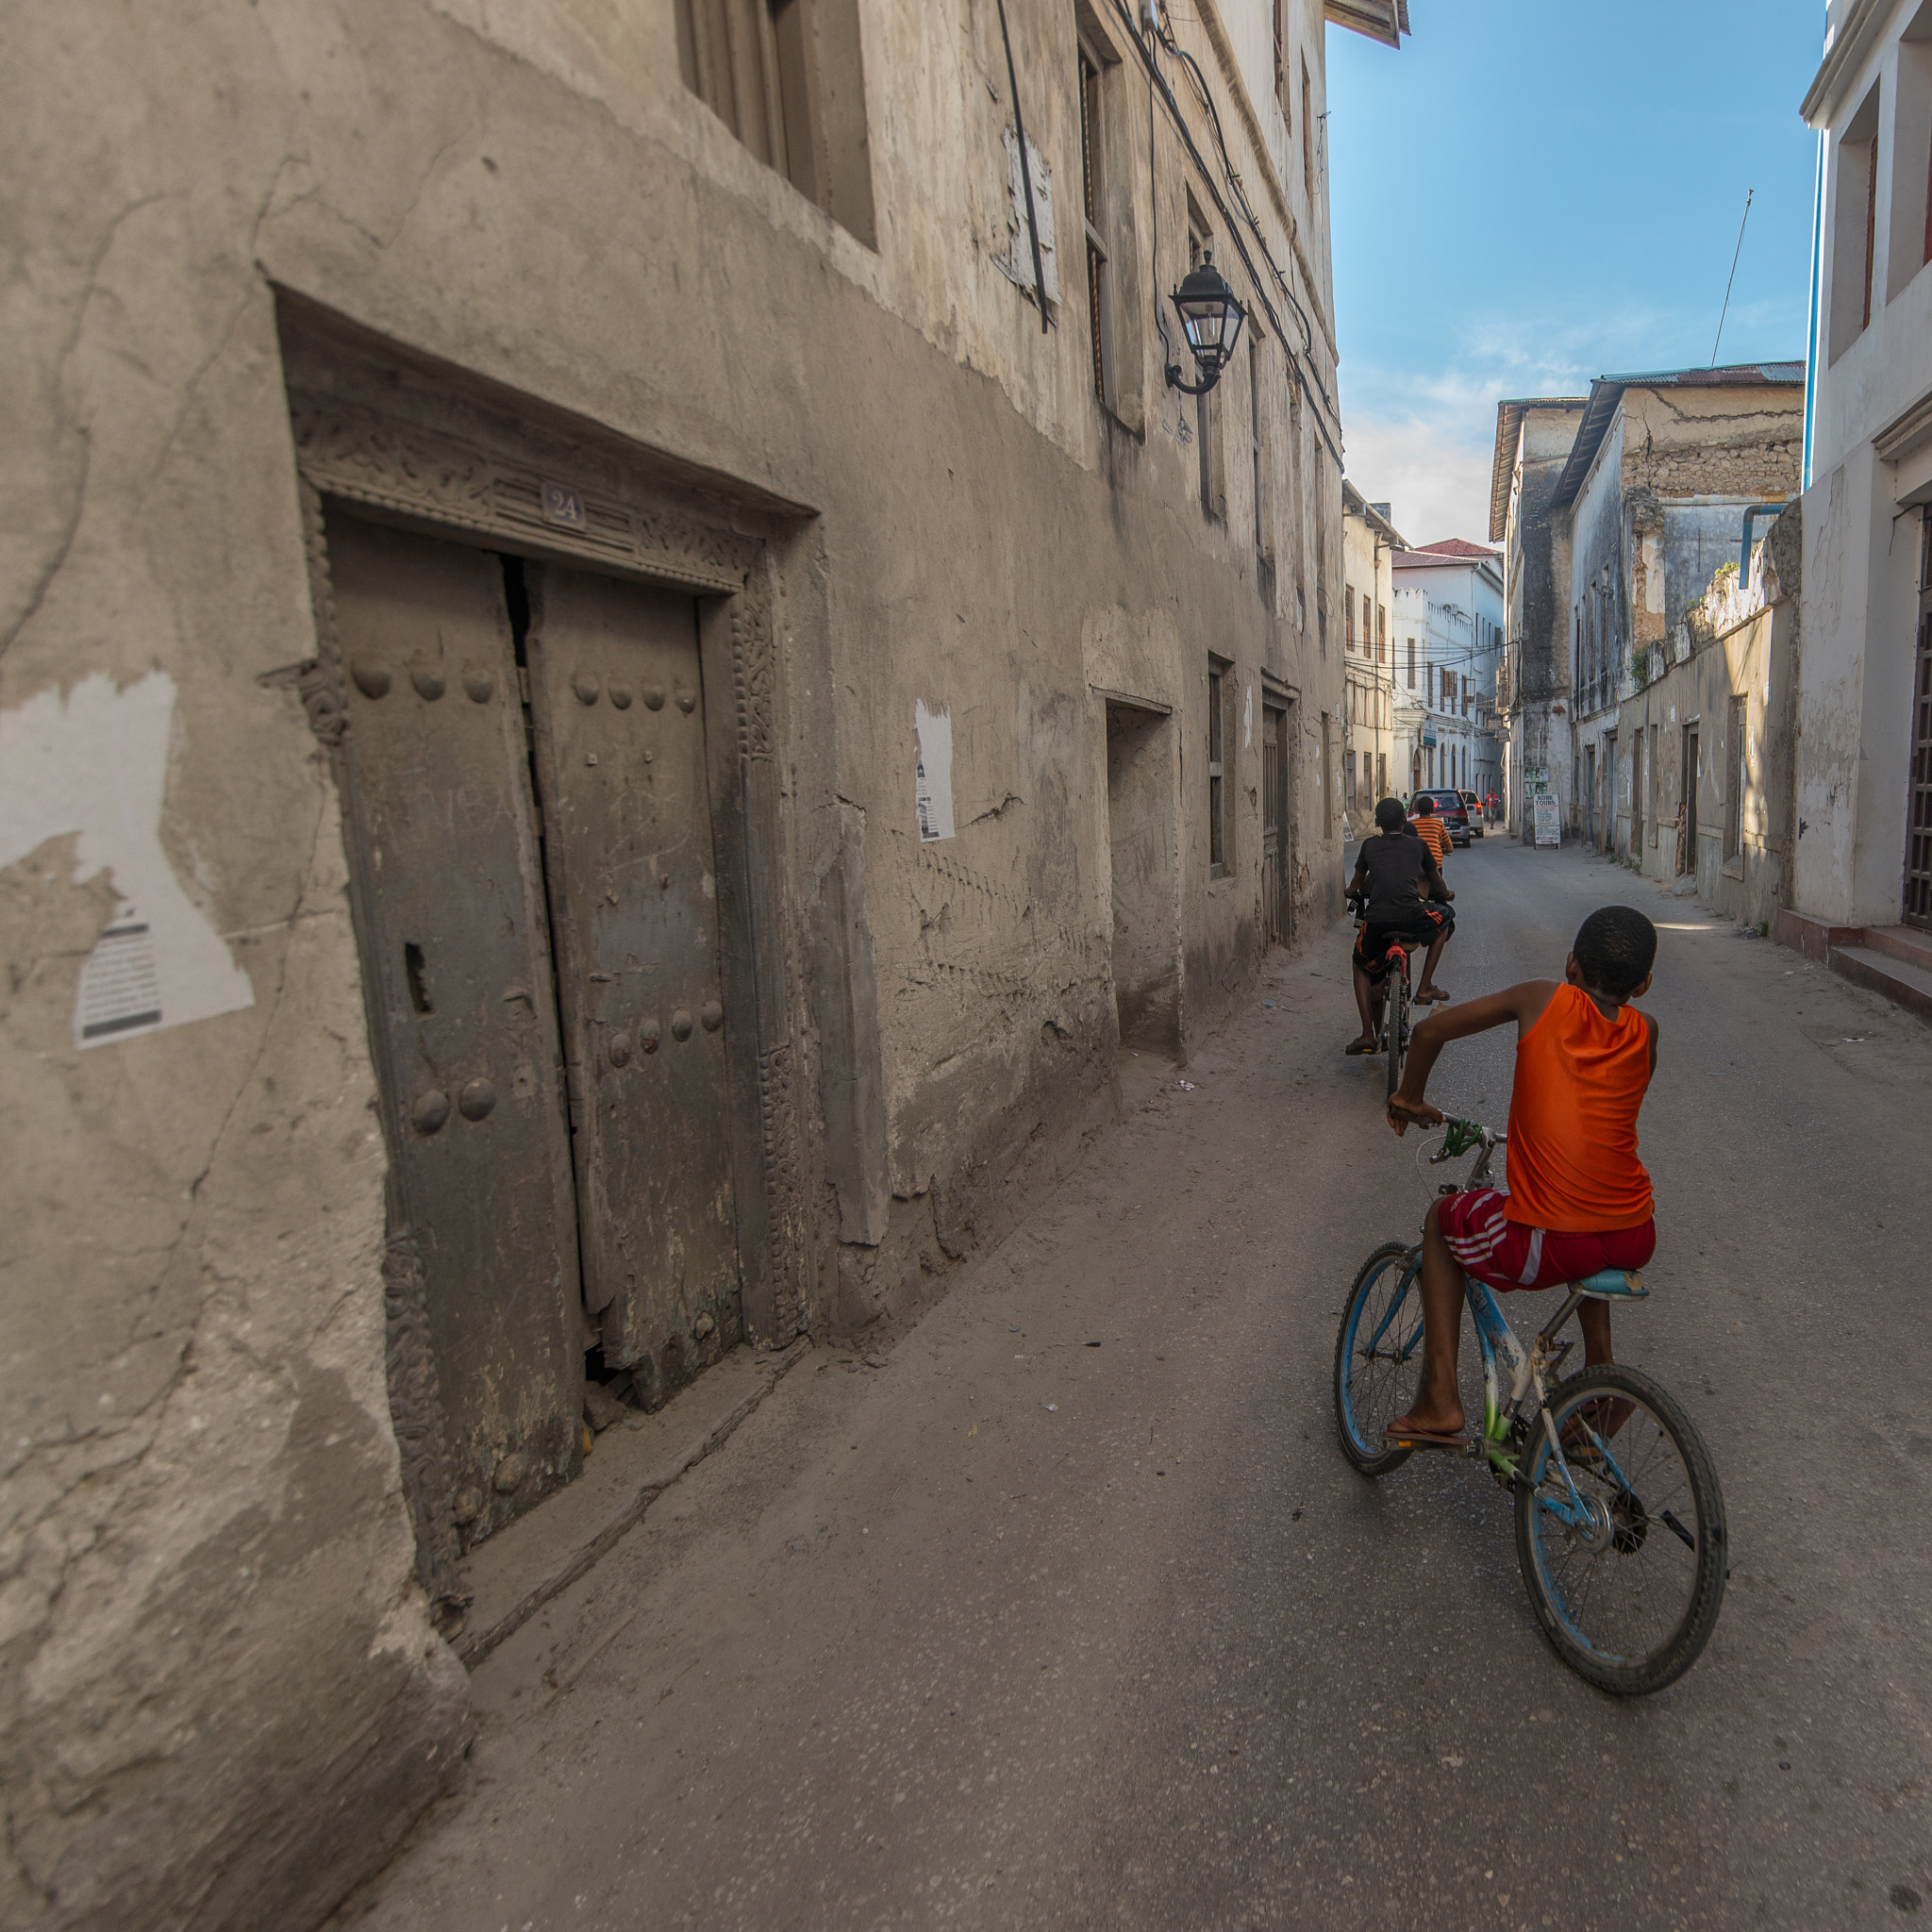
932 787
95 764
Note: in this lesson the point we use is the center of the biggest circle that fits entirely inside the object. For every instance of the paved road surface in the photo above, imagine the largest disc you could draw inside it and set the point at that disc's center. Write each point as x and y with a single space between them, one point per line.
1019 1631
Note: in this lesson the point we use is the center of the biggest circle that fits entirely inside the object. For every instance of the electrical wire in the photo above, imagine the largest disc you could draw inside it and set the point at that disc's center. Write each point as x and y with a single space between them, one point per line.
1310 381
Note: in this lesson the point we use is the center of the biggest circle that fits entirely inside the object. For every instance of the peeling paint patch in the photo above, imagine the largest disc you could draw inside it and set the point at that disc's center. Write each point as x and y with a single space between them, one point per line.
932 797
96 764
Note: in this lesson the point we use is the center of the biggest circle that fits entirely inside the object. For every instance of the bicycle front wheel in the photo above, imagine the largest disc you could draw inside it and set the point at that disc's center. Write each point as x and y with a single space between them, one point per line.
1379 1357
1628 1576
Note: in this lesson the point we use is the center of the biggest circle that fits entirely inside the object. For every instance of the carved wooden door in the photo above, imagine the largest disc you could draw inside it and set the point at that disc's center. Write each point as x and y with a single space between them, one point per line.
462 1014
619 706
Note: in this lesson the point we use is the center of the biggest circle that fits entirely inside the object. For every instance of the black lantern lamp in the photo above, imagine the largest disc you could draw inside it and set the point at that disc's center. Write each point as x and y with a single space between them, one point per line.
1212 319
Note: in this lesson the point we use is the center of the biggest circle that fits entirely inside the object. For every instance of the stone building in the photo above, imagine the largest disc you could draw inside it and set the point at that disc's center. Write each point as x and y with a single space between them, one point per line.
1449 635
1649 504
621 675
1534 436
1704 793
1369 540
1862 868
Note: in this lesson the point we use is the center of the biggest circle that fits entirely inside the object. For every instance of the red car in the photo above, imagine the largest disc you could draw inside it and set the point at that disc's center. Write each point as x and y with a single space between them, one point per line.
1449 808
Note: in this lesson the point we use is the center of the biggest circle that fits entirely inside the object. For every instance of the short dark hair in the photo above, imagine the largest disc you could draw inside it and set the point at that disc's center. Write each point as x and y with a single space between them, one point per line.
1424 804
1389 815
1615 948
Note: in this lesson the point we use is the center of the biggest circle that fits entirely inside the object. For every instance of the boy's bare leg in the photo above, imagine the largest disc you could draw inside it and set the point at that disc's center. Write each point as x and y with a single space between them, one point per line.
1429 989
1364 993
1437 1404
1593 1317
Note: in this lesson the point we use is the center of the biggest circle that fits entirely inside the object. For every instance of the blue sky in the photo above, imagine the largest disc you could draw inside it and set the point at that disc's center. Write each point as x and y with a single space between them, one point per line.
1534 192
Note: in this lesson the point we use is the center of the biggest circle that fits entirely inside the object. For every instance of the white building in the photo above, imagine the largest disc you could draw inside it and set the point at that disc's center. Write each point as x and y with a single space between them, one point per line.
1369 762
1864 755
1448 633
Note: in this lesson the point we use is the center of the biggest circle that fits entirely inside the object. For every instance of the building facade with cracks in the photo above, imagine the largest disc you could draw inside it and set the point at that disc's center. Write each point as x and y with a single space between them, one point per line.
619 677
1617 512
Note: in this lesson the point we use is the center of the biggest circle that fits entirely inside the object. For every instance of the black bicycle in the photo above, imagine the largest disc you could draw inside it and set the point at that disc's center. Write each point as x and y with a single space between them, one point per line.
1397 995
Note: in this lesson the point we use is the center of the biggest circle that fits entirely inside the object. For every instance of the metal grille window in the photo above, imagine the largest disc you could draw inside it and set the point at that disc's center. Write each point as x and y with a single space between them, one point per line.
1348 617
1381 633
1092 189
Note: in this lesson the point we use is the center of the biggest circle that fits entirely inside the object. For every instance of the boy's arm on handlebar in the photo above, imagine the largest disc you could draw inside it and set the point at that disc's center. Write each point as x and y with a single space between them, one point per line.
1523 1003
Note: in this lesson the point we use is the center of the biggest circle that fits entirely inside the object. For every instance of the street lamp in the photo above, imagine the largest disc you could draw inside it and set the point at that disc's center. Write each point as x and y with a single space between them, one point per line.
1211 319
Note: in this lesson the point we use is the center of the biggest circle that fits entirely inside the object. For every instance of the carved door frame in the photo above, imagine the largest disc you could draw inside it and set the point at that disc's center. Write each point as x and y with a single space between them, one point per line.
433 456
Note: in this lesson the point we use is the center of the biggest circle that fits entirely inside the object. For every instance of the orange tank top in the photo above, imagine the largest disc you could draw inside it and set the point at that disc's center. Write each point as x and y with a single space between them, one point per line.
1580 1078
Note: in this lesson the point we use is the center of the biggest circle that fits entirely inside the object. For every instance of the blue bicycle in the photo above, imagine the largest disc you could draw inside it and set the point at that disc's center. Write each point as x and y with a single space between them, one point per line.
1620 1522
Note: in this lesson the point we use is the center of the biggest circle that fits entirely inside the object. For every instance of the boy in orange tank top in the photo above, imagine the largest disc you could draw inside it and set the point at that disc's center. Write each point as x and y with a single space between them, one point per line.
1579 1199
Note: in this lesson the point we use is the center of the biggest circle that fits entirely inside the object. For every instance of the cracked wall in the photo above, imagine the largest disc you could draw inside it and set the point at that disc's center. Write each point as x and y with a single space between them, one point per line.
221 1695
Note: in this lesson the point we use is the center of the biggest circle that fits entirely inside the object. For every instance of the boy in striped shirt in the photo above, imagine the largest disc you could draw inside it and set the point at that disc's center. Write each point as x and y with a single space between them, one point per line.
1430 829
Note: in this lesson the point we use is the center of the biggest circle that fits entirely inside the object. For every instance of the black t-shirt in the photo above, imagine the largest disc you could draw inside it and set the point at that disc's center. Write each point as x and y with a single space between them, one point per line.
1398 865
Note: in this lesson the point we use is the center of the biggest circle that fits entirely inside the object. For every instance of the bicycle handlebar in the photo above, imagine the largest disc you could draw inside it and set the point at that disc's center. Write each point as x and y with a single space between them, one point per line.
1464 1137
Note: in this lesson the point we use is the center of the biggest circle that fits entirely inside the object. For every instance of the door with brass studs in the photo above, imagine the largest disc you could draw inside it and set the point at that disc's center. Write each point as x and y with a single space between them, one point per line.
462 1014
619 710
530 830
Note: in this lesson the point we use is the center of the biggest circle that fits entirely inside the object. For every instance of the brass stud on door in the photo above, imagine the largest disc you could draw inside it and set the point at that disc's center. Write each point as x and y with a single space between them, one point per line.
620 1049
620 697
687 702
654 698
712 1016
586 688
478 687
372 680
649 1034
680 1024
476 1099
430 1110
430 684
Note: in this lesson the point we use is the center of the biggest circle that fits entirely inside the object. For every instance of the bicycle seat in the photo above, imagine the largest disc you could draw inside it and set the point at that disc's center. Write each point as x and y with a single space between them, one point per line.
1626 1284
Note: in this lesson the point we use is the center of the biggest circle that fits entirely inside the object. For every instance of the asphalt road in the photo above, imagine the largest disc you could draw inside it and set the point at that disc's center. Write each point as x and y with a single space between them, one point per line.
1020 1631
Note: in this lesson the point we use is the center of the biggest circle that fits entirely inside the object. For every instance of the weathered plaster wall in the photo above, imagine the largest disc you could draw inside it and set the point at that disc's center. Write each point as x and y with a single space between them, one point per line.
1863 510
220 1697
1746 646
1537 575
1861 623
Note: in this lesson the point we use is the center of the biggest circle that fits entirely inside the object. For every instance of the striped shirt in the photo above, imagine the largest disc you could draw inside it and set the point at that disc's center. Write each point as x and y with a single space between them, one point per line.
1434 834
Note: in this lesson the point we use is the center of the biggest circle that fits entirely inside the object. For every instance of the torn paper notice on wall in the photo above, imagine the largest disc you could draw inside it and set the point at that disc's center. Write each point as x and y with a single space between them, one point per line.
932 786
95 764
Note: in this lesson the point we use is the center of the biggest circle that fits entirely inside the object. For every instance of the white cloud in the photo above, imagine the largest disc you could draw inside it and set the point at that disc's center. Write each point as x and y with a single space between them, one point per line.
1435 482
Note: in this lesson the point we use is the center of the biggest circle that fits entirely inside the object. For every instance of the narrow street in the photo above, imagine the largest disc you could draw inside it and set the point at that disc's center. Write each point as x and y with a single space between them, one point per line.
1072 1614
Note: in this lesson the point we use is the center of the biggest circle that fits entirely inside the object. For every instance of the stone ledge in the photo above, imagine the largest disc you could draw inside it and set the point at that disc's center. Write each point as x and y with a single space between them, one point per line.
1813 936
511 1577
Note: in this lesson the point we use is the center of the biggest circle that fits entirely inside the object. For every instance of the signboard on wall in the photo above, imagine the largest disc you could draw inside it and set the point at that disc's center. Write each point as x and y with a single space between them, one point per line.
1549 824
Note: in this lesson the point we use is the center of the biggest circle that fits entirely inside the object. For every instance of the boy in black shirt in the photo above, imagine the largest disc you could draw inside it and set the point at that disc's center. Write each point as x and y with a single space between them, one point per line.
1391 871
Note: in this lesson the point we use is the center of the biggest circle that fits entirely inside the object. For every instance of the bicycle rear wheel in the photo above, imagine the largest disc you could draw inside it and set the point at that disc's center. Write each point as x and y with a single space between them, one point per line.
1379 1357
1395 1020
1630 1597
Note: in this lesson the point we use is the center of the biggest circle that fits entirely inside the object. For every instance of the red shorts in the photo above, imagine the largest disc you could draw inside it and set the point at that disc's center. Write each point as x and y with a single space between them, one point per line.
1506 1255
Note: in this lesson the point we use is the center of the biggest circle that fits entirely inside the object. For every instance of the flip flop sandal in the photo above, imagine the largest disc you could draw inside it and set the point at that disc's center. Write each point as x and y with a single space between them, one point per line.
1433 999
1356 1046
